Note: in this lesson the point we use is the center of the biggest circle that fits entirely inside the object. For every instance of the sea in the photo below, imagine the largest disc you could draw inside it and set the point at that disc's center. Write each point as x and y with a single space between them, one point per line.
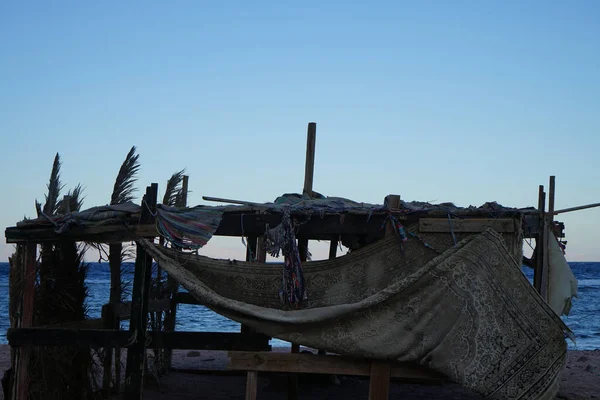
584 318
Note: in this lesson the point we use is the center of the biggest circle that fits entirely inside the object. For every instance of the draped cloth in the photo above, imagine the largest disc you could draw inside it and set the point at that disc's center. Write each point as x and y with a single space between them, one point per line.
468 313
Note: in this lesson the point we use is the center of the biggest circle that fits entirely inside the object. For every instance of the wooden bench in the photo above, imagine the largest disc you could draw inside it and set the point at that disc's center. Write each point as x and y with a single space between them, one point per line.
379 372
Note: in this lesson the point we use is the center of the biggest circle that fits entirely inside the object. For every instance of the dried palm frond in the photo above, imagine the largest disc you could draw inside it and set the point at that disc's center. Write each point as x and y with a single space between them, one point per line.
54 187
173 189
75 198
124 189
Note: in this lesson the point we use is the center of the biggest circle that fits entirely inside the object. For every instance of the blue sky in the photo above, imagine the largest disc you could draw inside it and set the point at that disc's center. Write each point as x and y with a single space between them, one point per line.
437 101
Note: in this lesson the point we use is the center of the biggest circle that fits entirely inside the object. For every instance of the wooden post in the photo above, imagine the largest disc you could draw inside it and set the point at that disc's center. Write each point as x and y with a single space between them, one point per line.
111 321
173 286
250 256
251 385
379 386
552 193
309 170
539 248
309 167
548 228
333 245
136 353
391 201
22 373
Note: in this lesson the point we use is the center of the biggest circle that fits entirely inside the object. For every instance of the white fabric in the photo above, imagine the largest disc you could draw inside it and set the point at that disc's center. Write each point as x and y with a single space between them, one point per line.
562 284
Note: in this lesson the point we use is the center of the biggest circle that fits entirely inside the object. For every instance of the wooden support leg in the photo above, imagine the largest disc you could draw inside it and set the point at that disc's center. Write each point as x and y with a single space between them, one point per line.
293 378
333 245
250 256
136 353
108 320
173 286
22 373
379 386
539 244
251 385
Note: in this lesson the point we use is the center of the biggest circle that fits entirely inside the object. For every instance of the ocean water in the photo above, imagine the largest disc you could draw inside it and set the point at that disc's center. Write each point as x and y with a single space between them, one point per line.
584 319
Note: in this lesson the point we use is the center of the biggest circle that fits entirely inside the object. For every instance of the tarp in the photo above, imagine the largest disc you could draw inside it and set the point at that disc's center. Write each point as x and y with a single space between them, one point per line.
468 313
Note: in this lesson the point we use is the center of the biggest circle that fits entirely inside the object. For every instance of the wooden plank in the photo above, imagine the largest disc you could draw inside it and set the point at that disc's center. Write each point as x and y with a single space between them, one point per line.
92 323
471 225
231 225
103 234
251 385
379 386
26 320
320 364
100 338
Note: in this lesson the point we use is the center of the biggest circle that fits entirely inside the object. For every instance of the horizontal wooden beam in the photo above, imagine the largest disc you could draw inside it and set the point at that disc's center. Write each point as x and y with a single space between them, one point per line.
471 225
316 227
238 224
99 234
321 364
232 224
98 338
122 311
92 323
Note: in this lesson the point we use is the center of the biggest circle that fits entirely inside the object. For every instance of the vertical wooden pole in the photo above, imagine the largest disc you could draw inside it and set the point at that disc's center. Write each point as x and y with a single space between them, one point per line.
22 373
250 256
309 167
109 322
548 228
251 385
261 252
173 286
391 201
551 195
379 386
136 353
539 248
333 245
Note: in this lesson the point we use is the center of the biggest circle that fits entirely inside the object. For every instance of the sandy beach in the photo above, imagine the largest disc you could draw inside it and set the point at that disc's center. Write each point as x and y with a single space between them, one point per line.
580 379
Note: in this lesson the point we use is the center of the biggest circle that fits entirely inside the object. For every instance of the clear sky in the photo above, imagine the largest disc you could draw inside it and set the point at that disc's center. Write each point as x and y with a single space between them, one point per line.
462 101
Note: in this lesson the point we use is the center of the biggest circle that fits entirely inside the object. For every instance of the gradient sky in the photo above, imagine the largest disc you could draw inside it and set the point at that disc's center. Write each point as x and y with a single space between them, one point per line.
461 101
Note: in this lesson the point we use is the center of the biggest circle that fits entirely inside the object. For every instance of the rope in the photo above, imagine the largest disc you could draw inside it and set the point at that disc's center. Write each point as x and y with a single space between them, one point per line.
452 229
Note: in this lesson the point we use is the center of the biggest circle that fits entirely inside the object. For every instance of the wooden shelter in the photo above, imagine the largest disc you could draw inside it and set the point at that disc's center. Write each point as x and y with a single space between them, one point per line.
249 220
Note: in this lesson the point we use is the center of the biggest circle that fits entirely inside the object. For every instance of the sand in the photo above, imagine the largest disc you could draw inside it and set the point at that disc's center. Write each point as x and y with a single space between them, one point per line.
580 379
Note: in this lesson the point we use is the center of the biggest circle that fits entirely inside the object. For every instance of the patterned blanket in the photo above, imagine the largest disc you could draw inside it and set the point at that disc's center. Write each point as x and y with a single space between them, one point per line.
468 313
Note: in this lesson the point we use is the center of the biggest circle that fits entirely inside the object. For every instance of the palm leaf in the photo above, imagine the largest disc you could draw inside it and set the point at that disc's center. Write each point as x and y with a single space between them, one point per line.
173 189
124 189
75 198
54 187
